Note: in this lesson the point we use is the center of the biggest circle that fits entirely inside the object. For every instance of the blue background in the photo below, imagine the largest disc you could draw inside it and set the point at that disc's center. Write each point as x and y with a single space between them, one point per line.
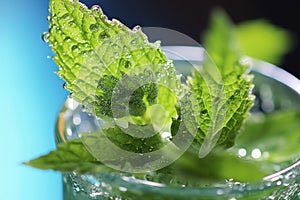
31 94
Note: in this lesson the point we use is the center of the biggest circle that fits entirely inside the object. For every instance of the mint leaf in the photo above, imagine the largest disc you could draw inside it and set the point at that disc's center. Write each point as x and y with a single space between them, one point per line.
262 40
280 138
219 165
69 157
130 84
117 75
228 92
73 156
131 143
95 54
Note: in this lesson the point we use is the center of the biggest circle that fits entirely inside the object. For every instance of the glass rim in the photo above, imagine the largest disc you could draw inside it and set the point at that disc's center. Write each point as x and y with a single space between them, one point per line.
194 53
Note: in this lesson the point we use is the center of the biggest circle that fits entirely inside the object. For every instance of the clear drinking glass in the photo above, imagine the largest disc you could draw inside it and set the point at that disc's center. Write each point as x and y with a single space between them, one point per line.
275 90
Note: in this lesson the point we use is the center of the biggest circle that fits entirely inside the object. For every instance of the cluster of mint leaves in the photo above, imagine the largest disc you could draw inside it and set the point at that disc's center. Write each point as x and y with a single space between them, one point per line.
94 54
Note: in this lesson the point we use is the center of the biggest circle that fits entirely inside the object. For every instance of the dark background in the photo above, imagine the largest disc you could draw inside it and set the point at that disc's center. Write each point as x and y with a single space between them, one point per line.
191 16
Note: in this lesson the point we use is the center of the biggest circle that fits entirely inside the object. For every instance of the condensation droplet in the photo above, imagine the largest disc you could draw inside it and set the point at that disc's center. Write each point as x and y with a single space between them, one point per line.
148 177
116 55
133 42
76 189
166 135
71 23
69 131
266 154
256 153
220 192
278 183
237 92
103 35
75 49
127 64
45 36
242 152
204 112
66 17
96 8
122 189
115 22
104 17
115 46
136 28
124 63
83 7
216 100
94 27
96 69
151 148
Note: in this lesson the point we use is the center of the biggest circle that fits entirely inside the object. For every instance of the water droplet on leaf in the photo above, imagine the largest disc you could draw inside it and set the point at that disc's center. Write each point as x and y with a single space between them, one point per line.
115 46
94 27
45 36
66 17
124 63
237 92
136 28
75 49
67 39
72 24
104 17
103 35
83 7
203 112
96 70
216 100
96 8
133 42
256 153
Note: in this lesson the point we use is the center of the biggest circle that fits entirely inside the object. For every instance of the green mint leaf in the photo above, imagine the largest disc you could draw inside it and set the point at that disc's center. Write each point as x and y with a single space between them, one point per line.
115 73
228 92
96 56
262 40
71 156
130 143
280 138
123 79
219 165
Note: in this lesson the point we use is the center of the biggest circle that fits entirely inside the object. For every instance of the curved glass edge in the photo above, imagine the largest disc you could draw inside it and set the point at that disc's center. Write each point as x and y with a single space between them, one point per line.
193 53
